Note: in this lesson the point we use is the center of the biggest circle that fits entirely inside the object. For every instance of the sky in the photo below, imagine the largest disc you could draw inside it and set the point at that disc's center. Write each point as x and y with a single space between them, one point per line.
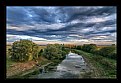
62 24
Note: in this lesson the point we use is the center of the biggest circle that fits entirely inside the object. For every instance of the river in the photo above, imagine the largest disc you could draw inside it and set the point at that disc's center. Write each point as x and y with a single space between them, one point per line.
71 67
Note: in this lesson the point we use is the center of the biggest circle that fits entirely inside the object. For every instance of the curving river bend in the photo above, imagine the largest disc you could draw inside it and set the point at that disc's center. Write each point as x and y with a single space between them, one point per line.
70 67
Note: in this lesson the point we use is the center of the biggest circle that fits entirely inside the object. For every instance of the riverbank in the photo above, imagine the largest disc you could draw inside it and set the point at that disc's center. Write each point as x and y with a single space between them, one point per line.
16 69
101 67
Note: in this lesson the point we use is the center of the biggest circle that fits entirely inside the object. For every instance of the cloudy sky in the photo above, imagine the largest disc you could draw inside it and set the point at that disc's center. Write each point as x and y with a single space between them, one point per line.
62 24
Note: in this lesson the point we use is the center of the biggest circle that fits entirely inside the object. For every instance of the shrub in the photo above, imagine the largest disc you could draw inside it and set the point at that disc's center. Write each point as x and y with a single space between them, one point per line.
40 52
79 47
109 52
54 52
89 47
23 50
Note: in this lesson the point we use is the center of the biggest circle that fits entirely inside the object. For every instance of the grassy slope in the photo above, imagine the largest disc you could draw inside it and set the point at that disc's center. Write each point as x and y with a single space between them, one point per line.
17 68
102 67
14 68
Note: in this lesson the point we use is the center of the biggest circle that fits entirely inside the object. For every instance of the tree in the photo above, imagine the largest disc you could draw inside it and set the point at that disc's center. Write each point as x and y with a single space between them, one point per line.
79 47
108 52
54 52
23 50
89 47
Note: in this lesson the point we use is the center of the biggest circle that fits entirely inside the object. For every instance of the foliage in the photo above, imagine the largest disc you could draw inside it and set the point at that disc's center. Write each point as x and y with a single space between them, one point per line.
40 52
23 50
109 52
89 47
55 52
79 47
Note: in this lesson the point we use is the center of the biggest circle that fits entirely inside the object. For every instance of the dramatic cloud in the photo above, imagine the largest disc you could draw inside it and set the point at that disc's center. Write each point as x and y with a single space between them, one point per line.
63 24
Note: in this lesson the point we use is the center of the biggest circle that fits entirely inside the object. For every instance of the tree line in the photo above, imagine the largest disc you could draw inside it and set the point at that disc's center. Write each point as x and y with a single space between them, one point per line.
108 51
26 50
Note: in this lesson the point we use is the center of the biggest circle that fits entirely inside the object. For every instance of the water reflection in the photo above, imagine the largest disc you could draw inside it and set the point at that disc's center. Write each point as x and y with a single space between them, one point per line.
70 67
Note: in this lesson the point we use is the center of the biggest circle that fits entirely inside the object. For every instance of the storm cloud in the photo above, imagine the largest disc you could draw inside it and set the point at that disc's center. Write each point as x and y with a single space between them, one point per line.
61 23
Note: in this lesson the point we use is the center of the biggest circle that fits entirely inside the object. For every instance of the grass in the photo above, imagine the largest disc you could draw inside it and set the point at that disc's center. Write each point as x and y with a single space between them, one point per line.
99 47
16 69
20 68
102 67
9 62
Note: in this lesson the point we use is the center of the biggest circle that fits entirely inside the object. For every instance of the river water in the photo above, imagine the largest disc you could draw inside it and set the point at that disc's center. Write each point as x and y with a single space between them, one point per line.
70 67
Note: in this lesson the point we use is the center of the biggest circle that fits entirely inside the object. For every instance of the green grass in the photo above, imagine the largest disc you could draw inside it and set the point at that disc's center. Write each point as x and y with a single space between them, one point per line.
102 67
9 62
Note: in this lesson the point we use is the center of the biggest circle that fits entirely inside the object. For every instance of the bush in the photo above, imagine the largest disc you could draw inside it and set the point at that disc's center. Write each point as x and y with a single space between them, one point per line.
79 47
112 55
89 47
54 52
109 52
23 50
40 52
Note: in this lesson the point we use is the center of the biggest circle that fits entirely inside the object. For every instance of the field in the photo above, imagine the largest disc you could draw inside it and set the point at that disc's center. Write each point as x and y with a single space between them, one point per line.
101 46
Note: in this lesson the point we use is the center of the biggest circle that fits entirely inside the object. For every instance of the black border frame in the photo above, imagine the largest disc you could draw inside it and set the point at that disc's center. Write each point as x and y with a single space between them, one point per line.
6 3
